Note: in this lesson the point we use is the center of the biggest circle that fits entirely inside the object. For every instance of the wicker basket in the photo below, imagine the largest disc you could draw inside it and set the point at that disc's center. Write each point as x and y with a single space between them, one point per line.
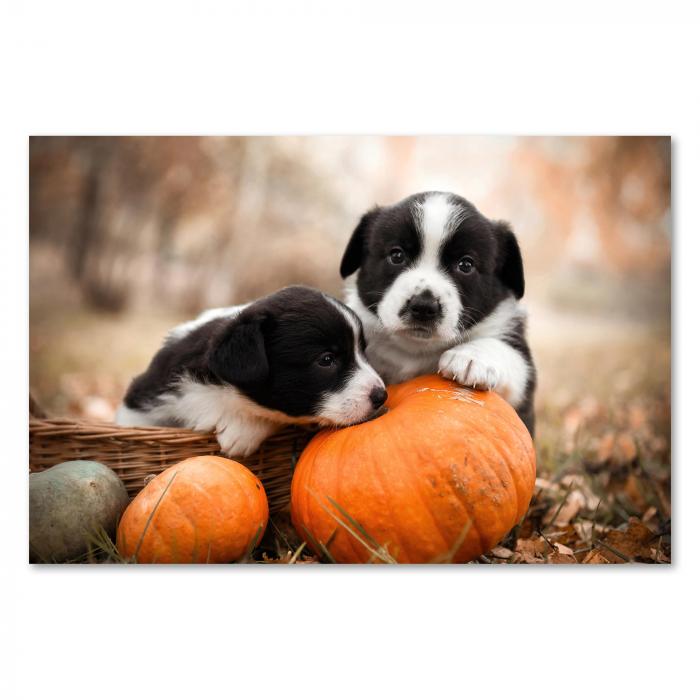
136 453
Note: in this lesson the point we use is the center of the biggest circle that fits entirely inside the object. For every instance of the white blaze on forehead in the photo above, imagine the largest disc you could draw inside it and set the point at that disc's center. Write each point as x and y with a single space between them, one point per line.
436 219
365 372
352 320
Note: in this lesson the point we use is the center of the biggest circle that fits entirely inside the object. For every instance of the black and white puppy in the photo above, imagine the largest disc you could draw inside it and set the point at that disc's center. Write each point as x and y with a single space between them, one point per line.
296 356
437 289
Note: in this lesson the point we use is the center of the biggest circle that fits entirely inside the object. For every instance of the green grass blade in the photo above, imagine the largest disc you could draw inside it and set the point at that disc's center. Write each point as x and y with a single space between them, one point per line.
319 546
150 517
376 550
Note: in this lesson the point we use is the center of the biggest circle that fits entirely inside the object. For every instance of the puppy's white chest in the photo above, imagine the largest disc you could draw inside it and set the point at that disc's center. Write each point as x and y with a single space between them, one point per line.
396 365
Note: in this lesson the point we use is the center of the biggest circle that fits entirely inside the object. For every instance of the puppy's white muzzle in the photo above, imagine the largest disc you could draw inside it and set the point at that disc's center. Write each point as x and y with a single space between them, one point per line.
422 282
358 401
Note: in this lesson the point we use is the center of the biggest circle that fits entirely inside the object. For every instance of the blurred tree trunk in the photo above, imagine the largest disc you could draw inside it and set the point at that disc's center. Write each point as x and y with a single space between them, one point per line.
93 269
88 224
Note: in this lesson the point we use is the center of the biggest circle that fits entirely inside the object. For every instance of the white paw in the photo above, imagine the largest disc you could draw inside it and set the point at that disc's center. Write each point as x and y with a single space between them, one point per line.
242 438
470 368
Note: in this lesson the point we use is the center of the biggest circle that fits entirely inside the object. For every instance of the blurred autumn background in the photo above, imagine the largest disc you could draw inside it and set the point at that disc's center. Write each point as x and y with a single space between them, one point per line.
131 235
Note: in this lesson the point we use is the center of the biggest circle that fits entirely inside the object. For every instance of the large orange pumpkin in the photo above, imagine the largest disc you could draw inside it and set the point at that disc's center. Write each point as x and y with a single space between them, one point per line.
203 509
442 476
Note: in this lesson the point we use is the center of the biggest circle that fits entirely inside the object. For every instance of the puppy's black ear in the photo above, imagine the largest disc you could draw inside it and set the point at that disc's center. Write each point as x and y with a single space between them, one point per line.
355 251
237 354
509 267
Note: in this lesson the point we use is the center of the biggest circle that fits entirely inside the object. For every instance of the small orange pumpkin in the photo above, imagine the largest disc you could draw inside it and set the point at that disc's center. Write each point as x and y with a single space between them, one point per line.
203 509
442 476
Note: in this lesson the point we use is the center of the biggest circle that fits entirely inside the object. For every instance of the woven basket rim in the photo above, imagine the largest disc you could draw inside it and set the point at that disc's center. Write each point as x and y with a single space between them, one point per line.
109 427
134 452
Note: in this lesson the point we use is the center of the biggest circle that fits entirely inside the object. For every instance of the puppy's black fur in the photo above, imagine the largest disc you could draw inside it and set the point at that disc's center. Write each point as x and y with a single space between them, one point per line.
492 273
270 352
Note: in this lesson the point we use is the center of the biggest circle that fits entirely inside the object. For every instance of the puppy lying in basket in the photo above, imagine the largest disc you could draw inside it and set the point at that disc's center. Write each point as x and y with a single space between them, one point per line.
296 356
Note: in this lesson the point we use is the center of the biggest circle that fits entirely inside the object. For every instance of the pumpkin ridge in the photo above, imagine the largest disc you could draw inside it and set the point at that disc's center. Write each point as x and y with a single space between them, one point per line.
502 515
509 488
153 528
516 429
308 487
353 543
514 491
336 491
244 486
185 514
468 507
206 494
483 462
300 480
529 457
248 497
213 508
156 533
430 513
421 498
386 491
508 455
153 488
496 444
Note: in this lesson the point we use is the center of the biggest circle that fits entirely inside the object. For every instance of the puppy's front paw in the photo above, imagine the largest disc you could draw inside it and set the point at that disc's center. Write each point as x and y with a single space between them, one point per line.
236 445
242 438
468 367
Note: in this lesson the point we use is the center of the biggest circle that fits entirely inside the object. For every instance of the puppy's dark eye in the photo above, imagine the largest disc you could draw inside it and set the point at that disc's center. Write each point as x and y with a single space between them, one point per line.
397 256
466 265
327 359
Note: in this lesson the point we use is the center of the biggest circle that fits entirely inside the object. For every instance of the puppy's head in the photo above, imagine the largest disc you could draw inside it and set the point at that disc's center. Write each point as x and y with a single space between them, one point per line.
301 353
431 266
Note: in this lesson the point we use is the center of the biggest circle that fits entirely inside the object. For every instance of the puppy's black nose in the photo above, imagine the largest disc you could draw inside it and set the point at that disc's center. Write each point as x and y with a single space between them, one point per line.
378 396
424 306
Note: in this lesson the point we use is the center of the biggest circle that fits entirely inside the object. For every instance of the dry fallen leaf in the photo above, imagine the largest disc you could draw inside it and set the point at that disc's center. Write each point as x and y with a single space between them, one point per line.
561 555
533 550
658 555
633 491
595 557
578 482
558 558
563 549
560 515
501 553
584 529
649 513
633 542
541 483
